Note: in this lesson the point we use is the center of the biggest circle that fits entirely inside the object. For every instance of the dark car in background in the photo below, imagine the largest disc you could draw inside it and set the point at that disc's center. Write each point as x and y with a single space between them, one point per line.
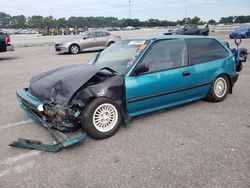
240 33
188 29
5 43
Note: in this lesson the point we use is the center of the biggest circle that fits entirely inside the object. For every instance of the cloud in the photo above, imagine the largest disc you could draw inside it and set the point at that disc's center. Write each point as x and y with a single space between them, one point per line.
142 9
204 2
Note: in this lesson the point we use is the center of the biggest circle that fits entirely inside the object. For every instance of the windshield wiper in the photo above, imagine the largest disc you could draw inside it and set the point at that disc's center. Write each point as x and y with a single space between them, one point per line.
110 70
97 57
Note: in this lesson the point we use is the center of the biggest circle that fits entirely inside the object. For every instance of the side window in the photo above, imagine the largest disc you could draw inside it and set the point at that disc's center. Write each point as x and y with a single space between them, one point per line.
105 34
187 28
193 27
91 35
205 50
98 34
166 54
102 34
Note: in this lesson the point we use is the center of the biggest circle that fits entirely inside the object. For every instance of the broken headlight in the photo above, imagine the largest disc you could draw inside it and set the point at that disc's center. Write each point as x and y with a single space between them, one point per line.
56 112
61 117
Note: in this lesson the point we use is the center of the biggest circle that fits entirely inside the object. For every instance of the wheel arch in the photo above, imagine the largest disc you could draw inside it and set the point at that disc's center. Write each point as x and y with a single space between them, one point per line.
230 81
112 88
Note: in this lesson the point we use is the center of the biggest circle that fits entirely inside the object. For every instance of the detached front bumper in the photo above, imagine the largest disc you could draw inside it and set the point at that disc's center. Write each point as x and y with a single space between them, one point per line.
30 105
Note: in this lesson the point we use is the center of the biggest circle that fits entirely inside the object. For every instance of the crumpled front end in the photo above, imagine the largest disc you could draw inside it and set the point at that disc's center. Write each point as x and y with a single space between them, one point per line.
53 117
58 103
64 119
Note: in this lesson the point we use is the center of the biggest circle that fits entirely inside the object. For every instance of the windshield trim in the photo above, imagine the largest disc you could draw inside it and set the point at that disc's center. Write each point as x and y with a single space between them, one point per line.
133 59
138 58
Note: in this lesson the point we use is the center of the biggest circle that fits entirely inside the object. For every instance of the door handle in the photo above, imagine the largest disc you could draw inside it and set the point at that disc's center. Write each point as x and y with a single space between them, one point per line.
186 73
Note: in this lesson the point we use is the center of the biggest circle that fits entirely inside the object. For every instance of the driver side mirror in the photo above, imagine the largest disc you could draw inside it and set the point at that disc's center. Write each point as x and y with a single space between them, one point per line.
141 68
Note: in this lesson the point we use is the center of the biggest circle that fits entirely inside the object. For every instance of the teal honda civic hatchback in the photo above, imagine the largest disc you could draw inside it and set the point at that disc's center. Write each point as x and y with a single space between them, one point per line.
128 79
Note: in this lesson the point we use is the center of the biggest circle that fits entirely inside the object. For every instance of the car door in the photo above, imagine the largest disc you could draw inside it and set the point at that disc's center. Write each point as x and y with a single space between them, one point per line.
2 43
170 80
209 58
248 32
89 41
187 30
102 38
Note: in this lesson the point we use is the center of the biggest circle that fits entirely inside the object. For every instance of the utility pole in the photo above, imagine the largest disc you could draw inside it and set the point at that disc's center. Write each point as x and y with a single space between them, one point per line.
129 9
186 17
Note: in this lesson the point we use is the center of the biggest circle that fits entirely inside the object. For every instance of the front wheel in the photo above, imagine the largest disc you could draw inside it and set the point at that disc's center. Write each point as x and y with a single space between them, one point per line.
74 49
219 89
101 118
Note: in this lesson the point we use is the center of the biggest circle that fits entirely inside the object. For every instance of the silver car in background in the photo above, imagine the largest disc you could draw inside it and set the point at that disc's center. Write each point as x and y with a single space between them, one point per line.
91 40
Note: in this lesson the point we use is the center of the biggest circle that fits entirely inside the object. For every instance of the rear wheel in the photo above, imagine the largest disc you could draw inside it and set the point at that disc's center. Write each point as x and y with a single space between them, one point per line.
219 89
74 49
101 118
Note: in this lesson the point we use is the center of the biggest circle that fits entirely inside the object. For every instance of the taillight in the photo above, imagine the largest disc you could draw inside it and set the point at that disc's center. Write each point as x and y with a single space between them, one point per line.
7 40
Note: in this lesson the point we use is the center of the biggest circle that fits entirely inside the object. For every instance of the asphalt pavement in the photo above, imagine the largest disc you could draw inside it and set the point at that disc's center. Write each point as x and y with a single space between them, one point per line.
200 144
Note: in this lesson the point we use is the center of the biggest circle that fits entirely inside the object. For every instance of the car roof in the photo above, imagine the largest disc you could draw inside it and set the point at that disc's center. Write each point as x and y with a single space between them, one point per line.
246 27
98 31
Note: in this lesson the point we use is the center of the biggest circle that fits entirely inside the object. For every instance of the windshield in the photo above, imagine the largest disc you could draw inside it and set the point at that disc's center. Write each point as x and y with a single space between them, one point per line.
81 35
178 28
240 29
121 55
74 37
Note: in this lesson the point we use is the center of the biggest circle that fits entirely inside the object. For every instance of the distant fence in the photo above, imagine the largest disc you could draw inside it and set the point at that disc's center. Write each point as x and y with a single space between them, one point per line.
217 28
227 28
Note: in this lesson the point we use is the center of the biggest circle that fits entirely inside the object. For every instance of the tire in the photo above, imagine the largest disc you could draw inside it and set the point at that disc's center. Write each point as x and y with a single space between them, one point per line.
97 114
219 89
74 49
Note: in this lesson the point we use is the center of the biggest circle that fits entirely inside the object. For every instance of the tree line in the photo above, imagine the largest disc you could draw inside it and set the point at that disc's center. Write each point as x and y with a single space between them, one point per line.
36 21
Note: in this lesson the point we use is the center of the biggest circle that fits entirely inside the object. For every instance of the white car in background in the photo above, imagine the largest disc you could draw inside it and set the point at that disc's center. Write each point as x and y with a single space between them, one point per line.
91 40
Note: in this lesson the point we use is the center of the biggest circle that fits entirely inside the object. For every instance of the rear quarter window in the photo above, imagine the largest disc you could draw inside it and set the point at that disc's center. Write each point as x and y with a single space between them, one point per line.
103 34
205 50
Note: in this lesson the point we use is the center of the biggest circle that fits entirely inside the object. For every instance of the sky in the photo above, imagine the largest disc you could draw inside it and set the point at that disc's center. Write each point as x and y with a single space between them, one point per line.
141 9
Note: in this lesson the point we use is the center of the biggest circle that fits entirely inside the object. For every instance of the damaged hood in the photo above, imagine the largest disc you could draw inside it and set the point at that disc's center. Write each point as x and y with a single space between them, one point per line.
60 85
